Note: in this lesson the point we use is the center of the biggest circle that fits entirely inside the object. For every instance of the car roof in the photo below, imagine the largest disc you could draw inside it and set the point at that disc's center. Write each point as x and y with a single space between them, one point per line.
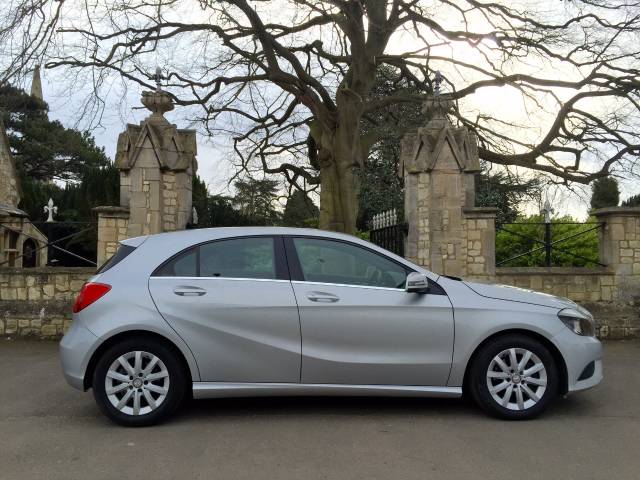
201 234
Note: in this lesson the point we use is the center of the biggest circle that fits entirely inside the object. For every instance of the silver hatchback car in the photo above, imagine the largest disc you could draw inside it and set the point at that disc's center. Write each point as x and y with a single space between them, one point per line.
230 312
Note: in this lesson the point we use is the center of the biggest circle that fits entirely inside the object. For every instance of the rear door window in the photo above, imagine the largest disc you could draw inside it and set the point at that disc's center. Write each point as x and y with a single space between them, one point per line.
251 257
239 258
183 265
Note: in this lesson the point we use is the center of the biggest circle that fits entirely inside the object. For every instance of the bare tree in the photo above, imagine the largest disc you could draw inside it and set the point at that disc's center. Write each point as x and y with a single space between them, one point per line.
291 80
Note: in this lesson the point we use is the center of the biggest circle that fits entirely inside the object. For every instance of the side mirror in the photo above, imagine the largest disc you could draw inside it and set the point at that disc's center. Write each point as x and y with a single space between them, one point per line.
417 283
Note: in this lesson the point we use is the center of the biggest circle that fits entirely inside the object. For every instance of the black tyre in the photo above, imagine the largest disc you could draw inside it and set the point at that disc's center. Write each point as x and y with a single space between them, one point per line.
139 382
513 377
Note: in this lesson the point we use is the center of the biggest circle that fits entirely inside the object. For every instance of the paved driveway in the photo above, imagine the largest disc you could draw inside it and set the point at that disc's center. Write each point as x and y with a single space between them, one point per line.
48 430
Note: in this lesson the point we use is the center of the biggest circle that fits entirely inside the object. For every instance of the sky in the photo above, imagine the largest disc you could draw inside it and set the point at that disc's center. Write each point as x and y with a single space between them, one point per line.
215 168
214 154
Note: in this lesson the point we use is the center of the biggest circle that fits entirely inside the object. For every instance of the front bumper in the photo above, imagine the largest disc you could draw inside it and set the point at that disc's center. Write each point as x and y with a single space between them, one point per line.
76 348
578 352
591 381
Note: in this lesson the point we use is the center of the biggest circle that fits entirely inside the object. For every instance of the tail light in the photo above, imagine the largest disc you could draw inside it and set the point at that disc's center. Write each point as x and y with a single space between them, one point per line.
89 293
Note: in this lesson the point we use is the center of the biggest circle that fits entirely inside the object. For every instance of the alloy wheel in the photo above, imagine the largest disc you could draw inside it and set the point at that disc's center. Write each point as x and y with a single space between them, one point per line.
516 379
137 383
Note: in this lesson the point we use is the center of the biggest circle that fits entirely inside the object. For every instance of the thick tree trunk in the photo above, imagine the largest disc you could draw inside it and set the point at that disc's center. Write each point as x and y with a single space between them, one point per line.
338 196
340 154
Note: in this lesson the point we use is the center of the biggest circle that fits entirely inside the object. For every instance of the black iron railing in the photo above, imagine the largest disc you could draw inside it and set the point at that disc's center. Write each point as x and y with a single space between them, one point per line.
387 232
390 238
548 243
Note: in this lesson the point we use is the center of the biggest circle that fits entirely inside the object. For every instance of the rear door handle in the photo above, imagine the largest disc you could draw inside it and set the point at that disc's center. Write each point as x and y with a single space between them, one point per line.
189 291
322 297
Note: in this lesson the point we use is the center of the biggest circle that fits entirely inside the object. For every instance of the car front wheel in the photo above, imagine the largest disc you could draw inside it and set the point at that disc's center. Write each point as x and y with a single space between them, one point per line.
514 377
138 382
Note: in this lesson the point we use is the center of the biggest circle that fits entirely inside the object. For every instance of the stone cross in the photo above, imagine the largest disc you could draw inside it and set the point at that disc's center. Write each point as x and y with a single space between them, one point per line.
50 208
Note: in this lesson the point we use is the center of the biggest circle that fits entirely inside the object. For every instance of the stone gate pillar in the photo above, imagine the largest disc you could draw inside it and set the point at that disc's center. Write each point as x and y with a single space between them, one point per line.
157 162
619 245
447 233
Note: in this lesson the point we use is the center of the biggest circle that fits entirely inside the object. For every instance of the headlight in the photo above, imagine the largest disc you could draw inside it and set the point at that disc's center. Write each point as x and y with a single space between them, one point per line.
579 320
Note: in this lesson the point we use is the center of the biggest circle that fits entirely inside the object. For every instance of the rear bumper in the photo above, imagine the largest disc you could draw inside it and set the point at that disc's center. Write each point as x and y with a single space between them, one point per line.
76 348
578 353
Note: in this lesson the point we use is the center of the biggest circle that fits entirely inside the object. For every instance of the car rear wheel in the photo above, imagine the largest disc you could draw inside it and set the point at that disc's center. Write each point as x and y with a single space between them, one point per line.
514 377
138 382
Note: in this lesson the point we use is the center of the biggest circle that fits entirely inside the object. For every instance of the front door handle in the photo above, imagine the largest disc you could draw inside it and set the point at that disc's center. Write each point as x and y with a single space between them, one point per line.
322 297
189 291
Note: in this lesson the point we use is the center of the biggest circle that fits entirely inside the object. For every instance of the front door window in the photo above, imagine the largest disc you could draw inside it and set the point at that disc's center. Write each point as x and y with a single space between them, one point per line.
329 261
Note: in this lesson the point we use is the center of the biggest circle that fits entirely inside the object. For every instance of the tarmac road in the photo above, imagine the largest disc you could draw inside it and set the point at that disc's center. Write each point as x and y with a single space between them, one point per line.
50 431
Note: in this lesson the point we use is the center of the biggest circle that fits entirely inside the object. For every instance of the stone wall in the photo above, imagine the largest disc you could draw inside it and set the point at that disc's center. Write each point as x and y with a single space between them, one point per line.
112 228
577 283
611 293
598 289
38 301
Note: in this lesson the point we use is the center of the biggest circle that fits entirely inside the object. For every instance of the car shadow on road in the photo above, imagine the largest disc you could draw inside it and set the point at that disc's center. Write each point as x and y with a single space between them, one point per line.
321 406
304 407
299 408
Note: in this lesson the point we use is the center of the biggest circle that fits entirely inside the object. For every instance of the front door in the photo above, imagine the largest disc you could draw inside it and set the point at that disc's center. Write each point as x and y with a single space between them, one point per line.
233 304
358 324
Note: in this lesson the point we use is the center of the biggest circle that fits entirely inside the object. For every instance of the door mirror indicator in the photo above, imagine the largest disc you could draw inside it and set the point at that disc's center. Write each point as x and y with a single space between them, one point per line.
417 283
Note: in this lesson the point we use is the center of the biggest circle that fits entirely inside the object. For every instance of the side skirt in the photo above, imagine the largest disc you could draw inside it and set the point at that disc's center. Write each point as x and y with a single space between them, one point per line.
227 389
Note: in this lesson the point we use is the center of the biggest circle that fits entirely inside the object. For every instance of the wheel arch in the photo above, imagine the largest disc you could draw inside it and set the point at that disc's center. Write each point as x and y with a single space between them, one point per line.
557 356
146 334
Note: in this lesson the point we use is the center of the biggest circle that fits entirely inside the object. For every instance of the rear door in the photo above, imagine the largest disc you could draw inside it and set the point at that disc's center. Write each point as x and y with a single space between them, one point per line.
359 325
232 302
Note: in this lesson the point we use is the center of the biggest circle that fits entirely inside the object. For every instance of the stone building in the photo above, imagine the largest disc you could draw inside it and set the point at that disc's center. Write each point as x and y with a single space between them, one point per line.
20 241
157 162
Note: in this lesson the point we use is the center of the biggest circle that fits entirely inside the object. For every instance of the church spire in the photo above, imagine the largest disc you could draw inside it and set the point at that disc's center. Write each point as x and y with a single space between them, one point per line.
36 84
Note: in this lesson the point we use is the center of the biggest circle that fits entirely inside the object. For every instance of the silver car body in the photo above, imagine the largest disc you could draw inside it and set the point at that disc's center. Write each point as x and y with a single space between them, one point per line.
282 337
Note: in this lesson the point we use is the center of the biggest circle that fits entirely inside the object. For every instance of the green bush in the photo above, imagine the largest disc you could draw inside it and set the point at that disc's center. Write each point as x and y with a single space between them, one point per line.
605 193
509 244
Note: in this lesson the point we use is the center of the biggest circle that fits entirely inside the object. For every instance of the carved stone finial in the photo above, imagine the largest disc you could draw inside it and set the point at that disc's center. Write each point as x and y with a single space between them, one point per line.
158 102
437 107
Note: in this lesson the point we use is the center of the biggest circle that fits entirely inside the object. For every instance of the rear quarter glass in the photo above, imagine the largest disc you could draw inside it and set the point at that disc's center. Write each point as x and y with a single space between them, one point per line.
123 252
